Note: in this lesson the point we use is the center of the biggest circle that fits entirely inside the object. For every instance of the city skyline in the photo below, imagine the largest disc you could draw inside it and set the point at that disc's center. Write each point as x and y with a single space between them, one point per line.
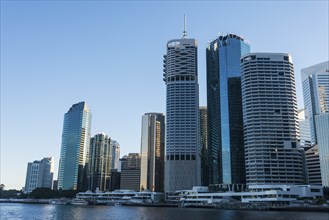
64 48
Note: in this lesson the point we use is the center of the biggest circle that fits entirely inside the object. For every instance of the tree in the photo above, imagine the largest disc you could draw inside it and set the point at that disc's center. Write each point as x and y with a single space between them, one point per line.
2 187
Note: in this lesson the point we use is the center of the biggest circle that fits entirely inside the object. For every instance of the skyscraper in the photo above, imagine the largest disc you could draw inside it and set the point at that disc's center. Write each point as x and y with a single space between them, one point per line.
322 127
115 154
315 81
39 174
72 173
270 122
182 166
152 152
100 163
225 121
204 146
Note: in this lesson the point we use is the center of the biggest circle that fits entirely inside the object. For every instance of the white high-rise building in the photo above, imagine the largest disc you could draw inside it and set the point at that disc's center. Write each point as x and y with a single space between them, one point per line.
115 154
182 166
315 81
39 174
271 132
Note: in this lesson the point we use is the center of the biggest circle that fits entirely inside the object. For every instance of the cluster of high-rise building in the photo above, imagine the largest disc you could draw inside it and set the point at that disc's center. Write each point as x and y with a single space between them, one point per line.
250 132
86 163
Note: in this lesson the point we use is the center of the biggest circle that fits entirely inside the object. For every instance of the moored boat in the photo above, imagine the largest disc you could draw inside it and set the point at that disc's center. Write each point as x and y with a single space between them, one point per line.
79 202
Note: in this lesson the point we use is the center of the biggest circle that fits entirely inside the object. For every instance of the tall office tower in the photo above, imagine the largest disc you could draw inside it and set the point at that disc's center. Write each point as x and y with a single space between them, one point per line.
152 152
72 172
225 120
204 146
313 165
115 154
182 166
39 174
271 132
322 128
315 81
130 172
304 128
100 163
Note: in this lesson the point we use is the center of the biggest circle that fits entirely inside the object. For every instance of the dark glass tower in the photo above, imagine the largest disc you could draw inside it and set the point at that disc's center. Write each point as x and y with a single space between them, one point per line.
100 163
204 146
225 121
72 173
152 152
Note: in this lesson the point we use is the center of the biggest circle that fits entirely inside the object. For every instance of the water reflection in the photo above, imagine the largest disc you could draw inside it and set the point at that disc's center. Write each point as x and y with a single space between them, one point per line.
37 211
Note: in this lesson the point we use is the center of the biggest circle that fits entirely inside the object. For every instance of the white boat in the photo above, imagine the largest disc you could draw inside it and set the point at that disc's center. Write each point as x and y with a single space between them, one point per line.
79 202
59 201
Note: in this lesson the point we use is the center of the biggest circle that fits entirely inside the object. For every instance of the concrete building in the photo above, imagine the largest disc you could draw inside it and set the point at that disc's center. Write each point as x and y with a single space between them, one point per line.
225 120
182 166
72 172
271 133
270 194
100 163
130 172
39 174
313 165
322 128
152 152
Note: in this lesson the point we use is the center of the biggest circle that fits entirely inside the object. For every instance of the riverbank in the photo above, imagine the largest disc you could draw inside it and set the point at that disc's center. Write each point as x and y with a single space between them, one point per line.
29 201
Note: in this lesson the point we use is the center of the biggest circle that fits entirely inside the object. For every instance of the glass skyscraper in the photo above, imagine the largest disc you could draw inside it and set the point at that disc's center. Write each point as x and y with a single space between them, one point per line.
182 166
304 128
152 152
225 123
100 163
270 120
204 146
315 81
72 173
322 126
115 154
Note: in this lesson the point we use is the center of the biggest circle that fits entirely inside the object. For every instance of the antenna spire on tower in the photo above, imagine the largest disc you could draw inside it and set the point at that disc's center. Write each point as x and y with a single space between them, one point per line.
184 32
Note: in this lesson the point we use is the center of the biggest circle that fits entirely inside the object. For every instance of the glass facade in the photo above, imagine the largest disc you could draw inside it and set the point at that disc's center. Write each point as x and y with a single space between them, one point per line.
322 127
225 123
115 154
204 146
315 80
100 163
72 173
152 152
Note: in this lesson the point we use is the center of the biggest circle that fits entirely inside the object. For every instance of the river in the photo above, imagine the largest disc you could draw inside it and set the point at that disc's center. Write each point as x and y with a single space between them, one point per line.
49 211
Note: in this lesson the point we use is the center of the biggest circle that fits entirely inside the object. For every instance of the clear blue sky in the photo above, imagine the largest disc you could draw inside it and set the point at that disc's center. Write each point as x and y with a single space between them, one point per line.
109 54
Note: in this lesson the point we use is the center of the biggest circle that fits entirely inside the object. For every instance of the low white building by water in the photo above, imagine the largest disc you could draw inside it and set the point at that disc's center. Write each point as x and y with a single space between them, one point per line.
255 193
